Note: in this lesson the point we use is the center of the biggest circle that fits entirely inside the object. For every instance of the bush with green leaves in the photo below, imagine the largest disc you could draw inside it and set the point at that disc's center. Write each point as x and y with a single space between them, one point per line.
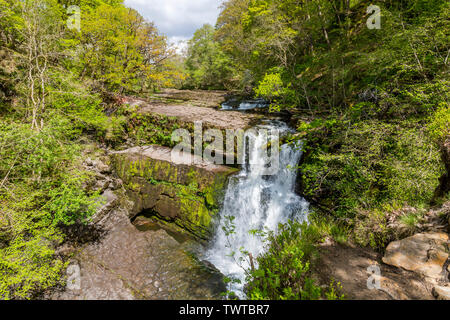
284 271
439 127
35 156
28 264
365 164
41 190
273 89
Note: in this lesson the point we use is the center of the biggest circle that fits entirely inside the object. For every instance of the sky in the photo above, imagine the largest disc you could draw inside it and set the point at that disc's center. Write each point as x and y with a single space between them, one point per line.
177 19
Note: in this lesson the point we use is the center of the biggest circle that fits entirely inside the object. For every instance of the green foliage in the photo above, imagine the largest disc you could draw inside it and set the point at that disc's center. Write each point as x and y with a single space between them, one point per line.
411 220
371 229
207 66
48 76
69 204
35 156
364 171
439 127
284 270
379 104
366 164
380 98
28 264
330 59
40 190
272 88
29 235
123 51
70 99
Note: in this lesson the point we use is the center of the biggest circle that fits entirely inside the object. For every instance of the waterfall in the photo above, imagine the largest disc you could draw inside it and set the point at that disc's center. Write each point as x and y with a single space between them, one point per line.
245 105
257 202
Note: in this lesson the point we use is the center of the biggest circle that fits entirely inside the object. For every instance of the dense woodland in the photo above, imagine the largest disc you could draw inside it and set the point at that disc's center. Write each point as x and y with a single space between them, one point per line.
372 106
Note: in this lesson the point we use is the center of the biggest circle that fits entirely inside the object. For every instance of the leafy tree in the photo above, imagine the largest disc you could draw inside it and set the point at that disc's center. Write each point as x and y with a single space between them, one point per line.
32 43
284 271
206 64
44 110
121 50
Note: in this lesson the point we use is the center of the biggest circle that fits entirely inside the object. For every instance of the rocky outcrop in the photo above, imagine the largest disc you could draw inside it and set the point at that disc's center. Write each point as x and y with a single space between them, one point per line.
112 258
423 253
353 267
426 254
128 264
187 114
197 98
436 220
441 293
188 195
416 268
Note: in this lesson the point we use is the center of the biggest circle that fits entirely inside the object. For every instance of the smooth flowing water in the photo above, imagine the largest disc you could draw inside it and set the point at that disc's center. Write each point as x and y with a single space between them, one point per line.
245 105
258 202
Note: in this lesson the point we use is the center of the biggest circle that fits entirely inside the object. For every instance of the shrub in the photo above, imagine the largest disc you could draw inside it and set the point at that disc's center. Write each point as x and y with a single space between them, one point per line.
40 190
35 156
284 270
273 89
362 165
439 127
28 264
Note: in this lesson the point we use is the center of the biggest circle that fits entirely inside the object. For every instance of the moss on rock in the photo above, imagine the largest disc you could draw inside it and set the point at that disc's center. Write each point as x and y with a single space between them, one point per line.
188 195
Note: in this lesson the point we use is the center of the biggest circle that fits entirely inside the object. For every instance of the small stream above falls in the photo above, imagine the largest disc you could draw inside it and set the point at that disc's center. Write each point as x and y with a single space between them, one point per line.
235 104
257 202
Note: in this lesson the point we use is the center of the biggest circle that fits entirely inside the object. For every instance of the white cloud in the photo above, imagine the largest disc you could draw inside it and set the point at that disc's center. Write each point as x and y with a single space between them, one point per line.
177 19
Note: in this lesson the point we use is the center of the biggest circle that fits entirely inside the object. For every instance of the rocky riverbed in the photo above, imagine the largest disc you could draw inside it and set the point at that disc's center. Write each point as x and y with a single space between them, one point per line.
126 263
140 260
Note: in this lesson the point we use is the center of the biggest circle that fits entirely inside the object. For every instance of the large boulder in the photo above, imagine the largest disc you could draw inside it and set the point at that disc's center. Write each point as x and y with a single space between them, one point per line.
188 195
424 253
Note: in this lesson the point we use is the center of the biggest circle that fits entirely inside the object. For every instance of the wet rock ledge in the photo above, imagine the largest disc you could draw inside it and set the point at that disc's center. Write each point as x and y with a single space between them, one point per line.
112 258
187 195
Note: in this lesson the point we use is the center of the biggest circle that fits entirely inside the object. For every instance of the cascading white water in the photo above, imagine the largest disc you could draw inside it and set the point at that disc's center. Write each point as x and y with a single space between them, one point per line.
257 202
245 105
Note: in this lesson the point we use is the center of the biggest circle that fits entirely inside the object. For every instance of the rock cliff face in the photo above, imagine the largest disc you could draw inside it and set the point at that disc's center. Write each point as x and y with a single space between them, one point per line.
188 195
112 258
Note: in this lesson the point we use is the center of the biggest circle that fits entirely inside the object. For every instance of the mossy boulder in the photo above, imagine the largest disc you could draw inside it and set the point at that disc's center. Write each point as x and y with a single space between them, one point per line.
188 195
